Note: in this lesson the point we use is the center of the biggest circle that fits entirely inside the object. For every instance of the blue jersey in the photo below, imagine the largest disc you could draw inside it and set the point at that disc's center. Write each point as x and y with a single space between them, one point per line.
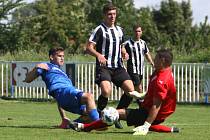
55 78
67 96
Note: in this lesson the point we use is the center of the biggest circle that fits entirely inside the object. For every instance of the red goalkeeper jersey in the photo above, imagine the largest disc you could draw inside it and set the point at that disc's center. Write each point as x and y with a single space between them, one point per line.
161 86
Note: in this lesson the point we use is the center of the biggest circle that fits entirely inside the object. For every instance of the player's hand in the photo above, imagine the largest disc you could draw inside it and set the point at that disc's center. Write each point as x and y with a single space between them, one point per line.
65 123
142 130
125 56
102 60
42 66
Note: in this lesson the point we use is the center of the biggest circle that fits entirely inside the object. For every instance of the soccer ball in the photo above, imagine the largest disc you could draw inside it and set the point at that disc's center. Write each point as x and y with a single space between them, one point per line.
109 115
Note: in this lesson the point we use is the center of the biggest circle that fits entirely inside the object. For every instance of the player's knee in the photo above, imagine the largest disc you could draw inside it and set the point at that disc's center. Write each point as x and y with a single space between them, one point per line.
106 89
106 92
127 86
88 96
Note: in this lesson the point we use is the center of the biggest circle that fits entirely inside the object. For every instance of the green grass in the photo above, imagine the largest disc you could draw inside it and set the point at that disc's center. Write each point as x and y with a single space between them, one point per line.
24 120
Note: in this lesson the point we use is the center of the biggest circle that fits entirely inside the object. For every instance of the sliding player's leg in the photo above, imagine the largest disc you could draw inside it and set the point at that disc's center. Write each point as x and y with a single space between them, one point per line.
88 100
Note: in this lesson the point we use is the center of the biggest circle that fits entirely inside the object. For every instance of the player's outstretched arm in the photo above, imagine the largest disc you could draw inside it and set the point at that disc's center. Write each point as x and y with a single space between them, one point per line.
31 75
65 120
62 112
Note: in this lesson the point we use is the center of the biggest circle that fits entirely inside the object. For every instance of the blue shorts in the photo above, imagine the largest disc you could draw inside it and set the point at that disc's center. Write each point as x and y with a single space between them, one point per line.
69 99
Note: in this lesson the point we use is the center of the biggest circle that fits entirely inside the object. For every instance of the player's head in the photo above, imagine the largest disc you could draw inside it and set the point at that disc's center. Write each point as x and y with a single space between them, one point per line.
110 13
163 59
56 55
137 31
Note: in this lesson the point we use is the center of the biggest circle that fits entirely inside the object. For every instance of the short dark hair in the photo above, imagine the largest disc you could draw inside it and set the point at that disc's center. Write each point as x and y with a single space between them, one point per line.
109 7
135 26
53 51
167 55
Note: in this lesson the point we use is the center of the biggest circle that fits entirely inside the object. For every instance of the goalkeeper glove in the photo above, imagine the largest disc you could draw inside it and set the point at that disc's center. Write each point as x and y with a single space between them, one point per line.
142 130
137 95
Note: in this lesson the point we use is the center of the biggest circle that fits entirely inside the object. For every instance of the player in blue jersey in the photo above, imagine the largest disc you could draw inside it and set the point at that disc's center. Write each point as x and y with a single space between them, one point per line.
61 88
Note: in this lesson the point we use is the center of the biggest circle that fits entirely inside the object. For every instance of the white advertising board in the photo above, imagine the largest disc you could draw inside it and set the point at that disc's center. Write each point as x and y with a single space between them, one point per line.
19 71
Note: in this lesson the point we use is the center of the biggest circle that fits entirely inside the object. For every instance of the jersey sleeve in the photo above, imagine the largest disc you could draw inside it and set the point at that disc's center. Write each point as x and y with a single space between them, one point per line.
121 35
123 38
126 44
146 50
94 37
40 71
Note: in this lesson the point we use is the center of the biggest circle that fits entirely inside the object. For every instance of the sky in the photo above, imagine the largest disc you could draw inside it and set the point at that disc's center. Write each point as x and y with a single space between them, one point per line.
200 8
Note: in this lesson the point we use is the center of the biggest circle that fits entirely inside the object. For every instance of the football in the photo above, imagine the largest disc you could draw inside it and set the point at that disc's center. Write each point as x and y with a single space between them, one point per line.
109 115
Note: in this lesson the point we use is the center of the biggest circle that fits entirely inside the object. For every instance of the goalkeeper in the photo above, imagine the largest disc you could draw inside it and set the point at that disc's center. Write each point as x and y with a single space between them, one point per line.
158 104
160 101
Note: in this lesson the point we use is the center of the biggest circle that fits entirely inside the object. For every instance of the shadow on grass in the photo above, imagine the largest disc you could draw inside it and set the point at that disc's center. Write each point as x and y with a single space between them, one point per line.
56 127
30 126
117 132
120 132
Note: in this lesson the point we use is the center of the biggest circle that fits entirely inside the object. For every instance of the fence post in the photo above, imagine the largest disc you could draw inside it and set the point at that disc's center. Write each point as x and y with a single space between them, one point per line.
206 78
11 83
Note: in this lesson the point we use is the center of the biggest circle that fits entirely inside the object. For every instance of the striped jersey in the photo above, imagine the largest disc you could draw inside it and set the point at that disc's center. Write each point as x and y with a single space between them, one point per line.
108 42
136 51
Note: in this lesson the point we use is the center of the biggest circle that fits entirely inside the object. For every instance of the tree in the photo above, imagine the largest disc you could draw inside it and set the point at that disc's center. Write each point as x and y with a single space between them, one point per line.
126 15
52 21
93 12
7 40
75 23
151 34
174 19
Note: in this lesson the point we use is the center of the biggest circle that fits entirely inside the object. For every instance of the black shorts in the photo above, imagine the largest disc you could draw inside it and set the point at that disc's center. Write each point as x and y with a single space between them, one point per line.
137 117
115 75
136 78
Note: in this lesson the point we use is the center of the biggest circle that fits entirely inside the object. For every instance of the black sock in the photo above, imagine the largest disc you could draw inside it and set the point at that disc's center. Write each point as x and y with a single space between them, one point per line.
102 102
125 101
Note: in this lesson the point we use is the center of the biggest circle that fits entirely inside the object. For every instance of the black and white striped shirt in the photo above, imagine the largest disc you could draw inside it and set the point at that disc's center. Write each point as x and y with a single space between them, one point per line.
136 51
108 42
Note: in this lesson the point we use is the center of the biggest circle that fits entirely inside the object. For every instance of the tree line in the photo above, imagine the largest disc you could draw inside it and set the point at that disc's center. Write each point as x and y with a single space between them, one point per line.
37 26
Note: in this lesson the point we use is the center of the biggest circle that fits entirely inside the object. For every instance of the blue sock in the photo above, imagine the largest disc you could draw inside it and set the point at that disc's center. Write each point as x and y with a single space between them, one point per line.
83 108
93 114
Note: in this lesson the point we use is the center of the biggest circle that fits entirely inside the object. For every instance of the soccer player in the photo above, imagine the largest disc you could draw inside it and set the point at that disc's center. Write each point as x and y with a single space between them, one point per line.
137 49
105 44
158 104
61 88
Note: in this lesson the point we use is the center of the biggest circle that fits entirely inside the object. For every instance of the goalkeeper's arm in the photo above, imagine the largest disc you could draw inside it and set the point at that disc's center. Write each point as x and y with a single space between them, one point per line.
143 129
154 110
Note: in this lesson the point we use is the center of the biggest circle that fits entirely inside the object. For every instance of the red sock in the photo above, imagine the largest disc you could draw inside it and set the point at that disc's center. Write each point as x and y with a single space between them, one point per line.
160 128
94 125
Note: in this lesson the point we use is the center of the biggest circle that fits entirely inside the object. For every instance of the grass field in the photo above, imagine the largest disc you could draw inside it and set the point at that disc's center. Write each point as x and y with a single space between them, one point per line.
24 120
